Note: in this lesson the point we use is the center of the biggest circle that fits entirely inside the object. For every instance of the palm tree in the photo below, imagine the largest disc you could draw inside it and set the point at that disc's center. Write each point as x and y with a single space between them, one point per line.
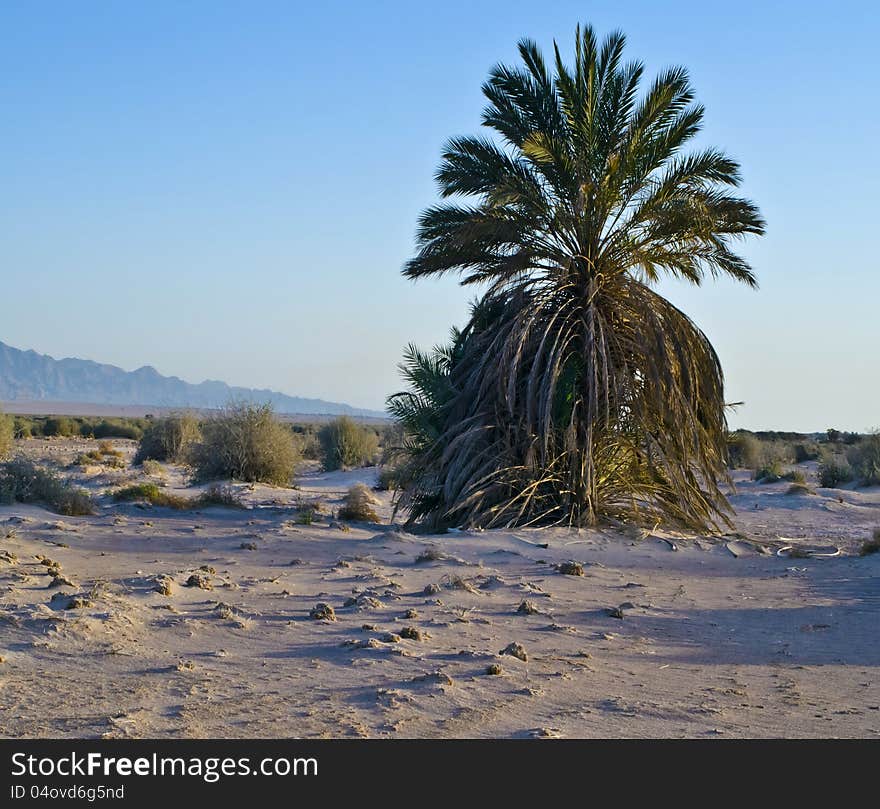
576 392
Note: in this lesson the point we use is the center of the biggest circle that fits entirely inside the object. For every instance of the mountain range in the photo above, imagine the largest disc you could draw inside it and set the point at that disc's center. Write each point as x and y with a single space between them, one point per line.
27 375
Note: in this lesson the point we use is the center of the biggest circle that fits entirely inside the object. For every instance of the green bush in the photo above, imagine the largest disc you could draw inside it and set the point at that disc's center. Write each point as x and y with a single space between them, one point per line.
168 439
245 442
7 433
114 428
345 444
23 481
864 458
60 426
769 472
795 476
832 473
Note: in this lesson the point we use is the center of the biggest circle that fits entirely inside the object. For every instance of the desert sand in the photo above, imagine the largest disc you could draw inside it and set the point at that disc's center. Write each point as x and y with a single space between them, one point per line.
664 634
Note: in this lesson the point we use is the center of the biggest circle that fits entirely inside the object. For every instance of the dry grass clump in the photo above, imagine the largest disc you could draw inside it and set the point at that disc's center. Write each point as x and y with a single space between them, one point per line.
215 495
105 455
154 469
359 505
246 442
151 493
23 481
345 444
799 488
168 438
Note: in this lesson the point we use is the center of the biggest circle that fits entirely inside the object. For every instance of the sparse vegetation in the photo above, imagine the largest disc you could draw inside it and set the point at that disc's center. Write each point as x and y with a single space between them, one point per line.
79 427
245 442
832 473
23 481
359 505
216 495
770 472
168 438
154 469
864 459
871 545
345 444
7 434
743 450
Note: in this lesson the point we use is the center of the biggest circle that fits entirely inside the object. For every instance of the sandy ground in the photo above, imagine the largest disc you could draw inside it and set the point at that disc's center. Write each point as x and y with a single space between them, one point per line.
719 637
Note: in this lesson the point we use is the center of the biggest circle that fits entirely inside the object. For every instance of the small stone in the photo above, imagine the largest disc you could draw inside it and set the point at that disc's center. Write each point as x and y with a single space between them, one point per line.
494 669
389 637
614 612
431 590
248 546
527 608
412 633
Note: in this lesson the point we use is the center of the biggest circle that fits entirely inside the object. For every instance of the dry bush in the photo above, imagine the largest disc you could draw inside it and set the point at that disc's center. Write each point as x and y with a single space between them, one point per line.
864 458
246 442
154 469
168 438
23 481
7 433
834 472
345 444
358 505
743 450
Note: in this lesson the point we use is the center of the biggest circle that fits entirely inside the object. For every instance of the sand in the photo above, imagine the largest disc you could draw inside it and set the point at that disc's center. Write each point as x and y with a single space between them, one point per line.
469 634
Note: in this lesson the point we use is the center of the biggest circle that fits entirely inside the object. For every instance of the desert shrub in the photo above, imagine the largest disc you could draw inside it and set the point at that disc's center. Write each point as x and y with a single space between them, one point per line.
389 479
359 505
60 426
23 427
168 439
347 444
245 442
864 458
219 495
806 451
743 450
872 545
7 433
832 473
795 476
151 493
769 472
114 428
23 481
154 468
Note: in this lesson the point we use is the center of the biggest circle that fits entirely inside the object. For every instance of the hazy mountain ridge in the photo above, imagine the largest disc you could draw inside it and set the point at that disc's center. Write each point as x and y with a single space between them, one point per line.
33 376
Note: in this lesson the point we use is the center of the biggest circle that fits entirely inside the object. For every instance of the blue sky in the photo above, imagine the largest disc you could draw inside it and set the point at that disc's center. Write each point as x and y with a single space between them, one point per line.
228 190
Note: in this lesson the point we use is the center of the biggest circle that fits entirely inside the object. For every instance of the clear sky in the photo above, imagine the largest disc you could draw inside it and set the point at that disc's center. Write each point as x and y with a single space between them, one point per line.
228 190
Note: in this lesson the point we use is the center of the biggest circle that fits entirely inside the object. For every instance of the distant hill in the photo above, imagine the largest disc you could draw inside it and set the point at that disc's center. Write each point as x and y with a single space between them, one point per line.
26 375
